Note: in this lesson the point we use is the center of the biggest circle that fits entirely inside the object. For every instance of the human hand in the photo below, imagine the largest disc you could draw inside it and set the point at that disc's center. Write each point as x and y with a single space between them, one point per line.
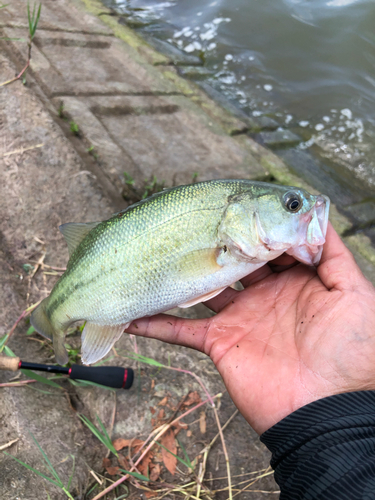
287 339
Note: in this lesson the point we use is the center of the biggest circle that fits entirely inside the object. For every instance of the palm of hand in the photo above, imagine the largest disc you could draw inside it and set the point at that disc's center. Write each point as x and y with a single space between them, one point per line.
286 341
289 338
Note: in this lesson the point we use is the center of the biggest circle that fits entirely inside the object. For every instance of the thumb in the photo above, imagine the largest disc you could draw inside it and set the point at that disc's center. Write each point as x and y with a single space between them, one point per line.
337 268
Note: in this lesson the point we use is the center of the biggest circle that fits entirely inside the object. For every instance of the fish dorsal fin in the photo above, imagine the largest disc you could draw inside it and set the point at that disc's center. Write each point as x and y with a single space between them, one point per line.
75 232
97 340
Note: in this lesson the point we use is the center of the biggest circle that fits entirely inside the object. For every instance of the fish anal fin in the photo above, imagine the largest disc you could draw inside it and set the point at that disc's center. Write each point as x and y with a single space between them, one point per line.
75 232
97 340
202 298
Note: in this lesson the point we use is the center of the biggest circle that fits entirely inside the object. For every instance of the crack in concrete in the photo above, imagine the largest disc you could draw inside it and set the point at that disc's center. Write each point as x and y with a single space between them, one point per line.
114 94
57 29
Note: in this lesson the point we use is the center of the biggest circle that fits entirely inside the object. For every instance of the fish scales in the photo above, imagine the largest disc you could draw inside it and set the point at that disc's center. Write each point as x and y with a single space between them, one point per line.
168 250
100 259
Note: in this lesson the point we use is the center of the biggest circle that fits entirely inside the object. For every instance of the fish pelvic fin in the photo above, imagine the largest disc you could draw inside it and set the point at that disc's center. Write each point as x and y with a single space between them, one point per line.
42 324
97 341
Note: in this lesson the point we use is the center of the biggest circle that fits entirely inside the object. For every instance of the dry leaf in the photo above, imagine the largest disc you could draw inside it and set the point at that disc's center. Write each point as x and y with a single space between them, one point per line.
107 464
155 472
192 398
152 383
189 433
164 401
202 422
161 414
121 443
150 494
143 466
168 440
152 410
113 471
123 461
178 426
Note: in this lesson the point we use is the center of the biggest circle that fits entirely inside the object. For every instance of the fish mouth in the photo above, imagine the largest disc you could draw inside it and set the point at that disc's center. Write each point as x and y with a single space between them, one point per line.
311 251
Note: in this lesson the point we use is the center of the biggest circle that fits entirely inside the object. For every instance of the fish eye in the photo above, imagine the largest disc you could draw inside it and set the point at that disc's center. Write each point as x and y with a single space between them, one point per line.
292 202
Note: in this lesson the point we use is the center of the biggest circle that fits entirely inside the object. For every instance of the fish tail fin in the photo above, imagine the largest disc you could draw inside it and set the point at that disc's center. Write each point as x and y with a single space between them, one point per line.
42 324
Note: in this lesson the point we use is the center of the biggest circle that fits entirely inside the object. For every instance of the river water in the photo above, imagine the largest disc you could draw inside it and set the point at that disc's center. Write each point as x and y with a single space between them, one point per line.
308 63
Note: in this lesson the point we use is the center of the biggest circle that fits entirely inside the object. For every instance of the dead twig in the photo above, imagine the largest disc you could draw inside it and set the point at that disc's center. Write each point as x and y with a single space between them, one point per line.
254 481
25 313
4 446
206 452
22 150
17 384
33 18
225 452
161 430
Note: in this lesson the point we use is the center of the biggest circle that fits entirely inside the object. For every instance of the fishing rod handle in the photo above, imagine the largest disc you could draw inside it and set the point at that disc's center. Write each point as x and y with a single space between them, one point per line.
110 376
8 363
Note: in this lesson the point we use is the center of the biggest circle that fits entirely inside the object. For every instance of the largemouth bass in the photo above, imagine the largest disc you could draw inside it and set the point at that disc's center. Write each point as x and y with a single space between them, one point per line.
176 248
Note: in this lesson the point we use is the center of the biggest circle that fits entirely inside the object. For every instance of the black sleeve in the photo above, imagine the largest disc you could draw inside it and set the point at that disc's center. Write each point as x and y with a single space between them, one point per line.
326 449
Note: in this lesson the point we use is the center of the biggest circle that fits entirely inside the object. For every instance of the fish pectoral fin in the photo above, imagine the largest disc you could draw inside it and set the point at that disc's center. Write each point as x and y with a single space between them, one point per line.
75 232
198 263
97 340
202 298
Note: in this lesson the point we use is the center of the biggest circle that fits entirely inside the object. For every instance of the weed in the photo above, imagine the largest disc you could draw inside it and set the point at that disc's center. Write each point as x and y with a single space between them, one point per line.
30 330
56 479
73 354
74 128
195 177
102 436
153 186
3 6
27 268
60 109
128 179
91 151
33 20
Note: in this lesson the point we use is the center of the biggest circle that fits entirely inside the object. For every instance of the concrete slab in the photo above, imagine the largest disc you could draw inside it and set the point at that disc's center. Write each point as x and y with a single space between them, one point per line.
39 189
61 15
279 139
363 213
79 64
168 137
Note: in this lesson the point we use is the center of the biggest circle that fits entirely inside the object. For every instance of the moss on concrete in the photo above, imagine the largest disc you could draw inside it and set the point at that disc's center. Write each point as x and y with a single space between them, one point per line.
124 33
362 244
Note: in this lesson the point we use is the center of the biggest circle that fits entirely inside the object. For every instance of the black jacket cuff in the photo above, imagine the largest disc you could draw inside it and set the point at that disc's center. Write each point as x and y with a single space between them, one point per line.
326 449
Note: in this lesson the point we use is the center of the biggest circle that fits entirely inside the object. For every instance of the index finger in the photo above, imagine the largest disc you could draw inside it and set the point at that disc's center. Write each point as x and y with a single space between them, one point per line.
182 331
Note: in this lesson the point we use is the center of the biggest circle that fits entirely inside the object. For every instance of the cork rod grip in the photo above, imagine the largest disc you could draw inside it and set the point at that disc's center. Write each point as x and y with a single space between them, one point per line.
7 363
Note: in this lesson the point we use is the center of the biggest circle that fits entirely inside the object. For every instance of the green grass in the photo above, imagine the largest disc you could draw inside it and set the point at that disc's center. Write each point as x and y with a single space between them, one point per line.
33 18
74 128
187 462
102 436
128 179
153 186
55 479
2 342
60 110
